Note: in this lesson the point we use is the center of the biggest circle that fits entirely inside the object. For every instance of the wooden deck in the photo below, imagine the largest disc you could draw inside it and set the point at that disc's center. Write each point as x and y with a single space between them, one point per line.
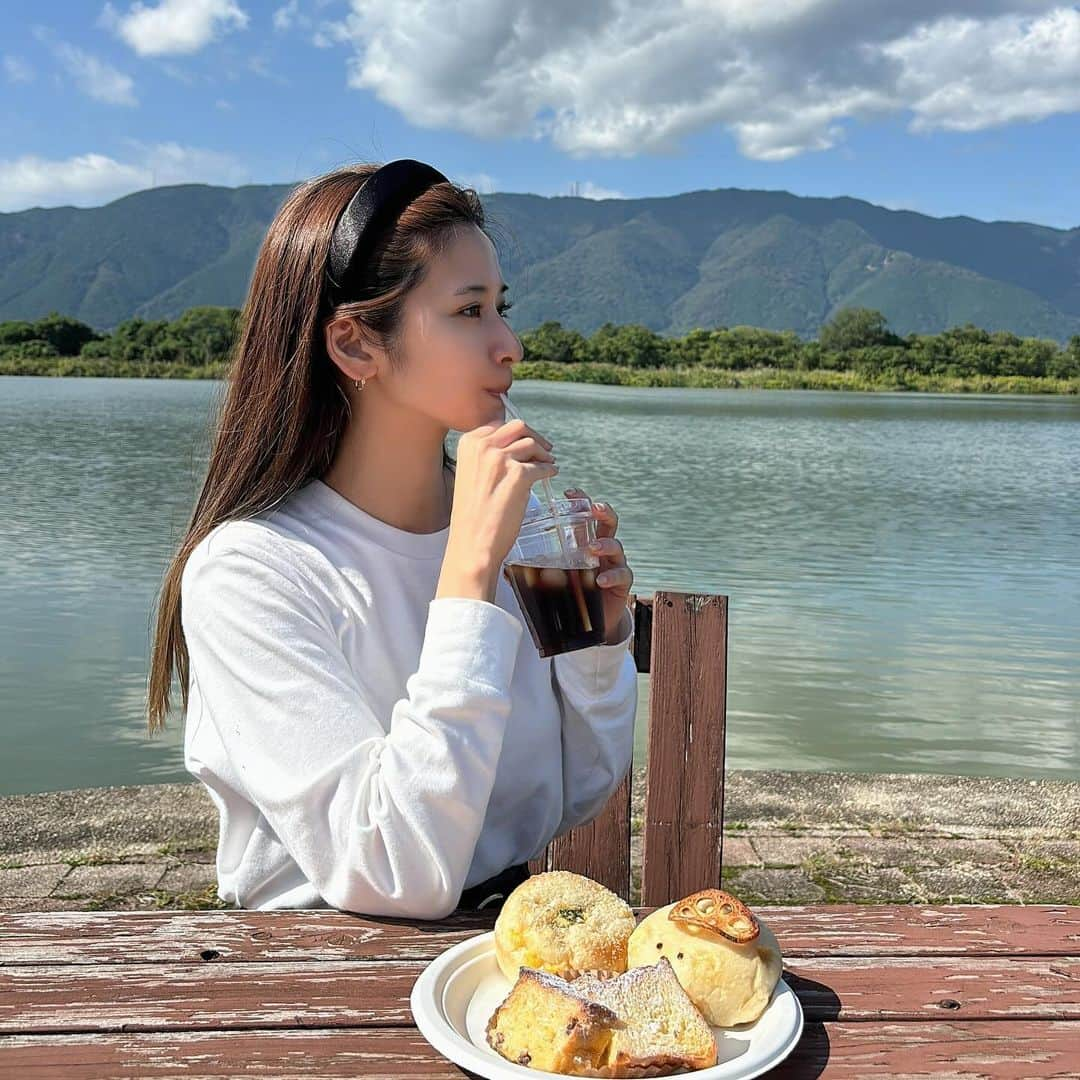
946 992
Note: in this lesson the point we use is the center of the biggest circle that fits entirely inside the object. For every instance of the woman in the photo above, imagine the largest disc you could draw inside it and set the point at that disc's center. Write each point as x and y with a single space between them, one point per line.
376 730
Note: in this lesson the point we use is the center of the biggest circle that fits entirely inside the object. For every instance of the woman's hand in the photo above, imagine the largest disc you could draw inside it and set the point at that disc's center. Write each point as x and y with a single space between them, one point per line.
613 575
496 468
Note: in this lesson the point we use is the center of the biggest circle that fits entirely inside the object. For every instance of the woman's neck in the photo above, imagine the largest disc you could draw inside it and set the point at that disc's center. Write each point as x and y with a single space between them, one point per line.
408 488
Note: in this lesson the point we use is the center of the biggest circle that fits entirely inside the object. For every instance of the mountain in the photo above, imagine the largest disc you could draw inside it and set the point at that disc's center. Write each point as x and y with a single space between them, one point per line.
723 257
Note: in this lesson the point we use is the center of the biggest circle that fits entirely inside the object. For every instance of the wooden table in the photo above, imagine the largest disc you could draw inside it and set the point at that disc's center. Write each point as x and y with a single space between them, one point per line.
989 992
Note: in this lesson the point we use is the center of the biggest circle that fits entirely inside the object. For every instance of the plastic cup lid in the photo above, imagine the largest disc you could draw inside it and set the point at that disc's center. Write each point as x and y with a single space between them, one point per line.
563 508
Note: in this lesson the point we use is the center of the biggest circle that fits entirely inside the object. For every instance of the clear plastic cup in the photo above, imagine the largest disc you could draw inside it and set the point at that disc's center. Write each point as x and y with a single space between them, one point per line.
554 577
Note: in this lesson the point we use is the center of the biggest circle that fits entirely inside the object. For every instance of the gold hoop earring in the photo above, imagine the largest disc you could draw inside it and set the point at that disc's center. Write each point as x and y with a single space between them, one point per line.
359 384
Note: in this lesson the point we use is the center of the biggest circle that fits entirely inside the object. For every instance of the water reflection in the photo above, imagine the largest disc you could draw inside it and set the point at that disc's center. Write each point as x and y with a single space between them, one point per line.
902 570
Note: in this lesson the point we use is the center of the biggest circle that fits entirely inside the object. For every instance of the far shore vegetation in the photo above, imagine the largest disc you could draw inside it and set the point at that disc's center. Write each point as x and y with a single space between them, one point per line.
856 350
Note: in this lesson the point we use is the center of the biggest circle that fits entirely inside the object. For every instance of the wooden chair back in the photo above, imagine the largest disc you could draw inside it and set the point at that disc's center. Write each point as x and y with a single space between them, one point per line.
680 639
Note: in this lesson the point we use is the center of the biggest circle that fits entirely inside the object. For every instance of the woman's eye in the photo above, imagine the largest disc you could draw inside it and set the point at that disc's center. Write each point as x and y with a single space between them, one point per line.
503 309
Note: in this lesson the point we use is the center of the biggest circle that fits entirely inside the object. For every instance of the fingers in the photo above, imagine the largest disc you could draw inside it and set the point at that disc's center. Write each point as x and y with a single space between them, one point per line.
529 449
620 577
615 574
607 521
608 548
538 470
515 430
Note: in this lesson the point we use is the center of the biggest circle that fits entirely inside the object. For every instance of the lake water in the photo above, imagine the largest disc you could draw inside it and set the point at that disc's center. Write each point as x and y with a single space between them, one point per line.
903 570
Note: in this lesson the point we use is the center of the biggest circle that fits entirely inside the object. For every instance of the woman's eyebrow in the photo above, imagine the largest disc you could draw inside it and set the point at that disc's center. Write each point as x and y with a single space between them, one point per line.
477 288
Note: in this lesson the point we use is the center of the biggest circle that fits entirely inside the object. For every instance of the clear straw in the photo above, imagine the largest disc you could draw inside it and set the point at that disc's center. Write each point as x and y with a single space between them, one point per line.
549 495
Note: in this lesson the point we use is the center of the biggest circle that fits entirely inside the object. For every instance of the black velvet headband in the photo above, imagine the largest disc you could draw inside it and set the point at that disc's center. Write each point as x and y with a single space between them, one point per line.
375 206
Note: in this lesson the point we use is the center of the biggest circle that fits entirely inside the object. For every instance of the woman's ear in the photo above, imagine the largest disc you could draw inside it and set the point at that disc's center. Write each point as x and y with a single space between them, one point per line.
352 348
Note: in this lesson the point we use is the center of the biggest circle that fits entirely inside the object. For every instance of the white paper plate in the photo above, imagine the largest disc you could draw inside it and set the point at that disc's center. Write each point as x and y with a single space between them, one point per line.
455 995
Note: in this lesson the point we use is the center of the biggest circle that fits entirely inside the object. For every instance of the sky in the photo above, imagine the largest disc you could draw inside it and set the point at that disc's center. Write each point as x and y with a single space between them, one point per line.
963 107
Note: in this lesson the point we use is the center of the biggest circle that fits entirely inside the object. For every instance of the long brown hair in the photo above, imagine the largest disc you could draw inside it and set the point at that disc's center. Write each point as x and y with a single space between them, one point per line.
285 409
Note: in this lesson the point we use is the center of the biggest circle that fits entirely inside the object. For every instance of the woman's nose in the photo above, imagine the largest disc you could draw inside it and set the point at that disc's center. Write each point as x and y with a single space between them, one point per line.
510 348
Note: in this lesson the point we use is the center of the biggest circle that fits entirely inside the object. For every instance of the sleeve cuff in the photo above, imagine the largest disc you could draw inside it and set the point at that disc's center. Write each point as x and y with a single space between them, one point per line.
477 639
626 628
596 667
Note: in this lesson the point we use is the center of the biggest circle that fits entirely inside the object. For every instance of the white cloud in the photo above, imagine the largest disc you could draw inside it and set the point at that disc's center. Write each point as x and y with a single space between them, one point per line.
485 184
623 77
1008 70
174 26
589 190
94 77
322 33
480 182
586 189
330 34
17 70
92 179
286 16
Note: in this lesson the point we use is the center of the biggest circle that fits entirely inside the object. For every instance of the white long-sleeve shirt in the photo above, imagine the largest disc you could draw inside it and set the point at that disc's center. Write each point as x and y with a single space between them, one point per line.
372 748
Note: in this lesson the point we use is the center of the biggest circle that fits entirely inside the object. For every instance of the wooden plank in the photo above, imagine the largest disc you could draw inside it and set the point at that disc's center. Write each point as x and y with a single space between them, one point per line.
186 997
948 1050
127 937
327 1054
600 849
911 930
684 796
941 1051
917 988
152 997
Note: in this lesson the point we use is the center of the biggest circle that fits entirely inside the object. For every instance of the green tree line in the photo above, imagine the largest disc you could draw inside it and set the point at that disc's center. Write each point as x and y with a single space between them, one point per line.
856 340
201 336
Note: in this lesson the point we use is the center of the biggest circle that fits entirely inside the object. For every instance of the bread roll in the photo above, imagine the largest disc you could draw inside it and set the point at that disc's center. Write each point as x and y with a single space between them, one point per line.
563 923
729 982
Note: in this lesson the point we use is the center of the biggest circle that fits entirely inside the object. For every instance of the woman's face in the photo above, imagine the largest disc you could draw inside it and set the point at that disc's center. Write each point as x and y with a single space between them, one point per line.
457 349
